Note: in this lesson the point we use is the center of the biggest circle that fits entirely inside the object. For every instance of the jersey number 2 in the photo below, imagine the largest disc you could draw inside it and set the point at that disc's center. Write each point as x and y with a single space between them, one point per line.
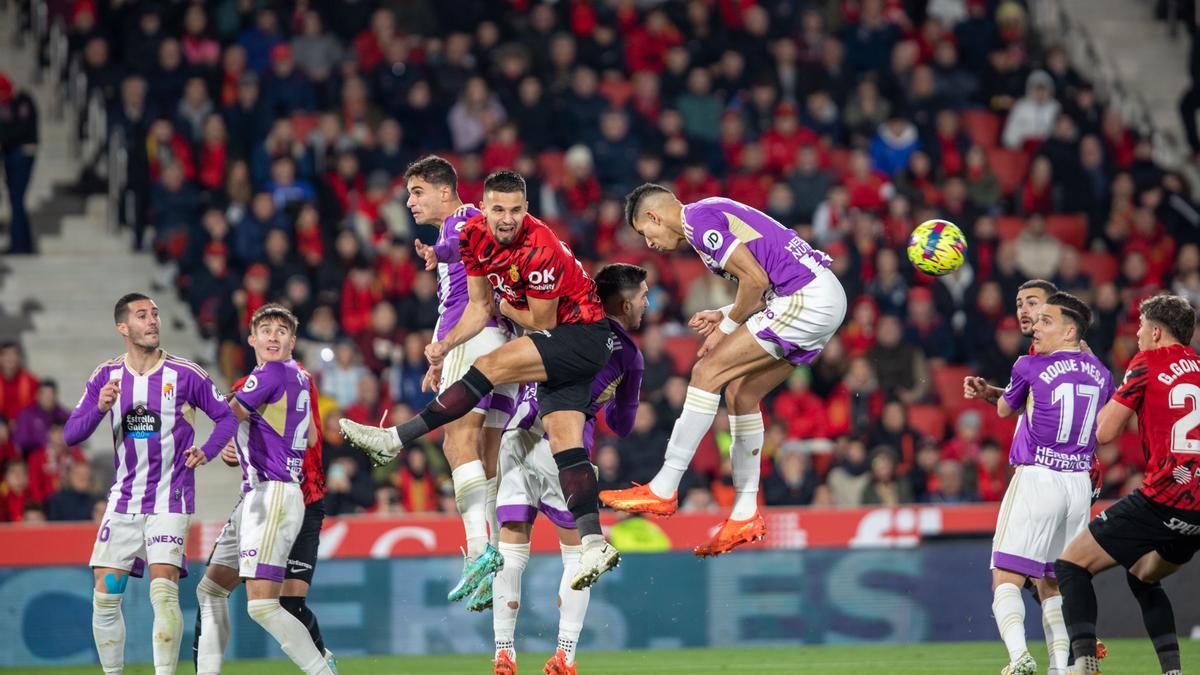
1178 397
1066 392
300 439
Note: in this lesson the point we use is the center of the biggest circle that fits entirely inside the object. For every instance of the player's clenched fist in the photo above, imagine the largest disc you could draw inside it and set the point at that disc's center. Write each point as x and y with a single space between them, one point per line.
974 387
108 395
194 457
229 454
435 353
705 322
428 255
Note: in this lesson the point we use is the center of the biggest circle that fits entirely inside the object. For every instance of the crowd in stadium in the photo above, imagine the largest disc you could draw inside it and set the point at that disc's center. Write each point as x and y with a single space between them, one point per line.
267 143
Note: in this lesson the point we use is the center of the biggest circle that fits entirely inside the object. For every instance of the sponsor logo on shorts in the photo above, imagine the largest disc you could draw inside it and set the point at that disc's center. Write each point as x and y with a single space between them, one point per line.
164 539
1182 527
141 422
248 553
298 567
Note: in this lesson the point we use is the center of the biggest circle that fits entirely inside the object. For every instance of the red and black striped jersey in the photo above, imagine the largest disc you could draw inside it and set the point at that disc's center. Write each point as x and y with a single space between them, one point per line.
313 485
537 264
1163 387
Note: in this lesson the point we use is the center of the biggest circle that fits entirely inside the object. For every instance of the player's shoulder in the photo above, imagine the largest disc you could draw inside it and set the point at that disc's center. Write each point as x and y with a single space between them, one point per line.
624 343
114 362
185 365
538 233
472 228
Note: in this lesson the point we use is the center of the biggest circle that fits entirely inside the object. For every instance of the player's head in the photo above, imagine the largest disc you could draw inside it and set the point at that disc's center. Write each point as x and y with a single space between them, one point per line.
653 212
1165 320
1030 297
273 333
504 204
136 316
1061 323
432 189
623 290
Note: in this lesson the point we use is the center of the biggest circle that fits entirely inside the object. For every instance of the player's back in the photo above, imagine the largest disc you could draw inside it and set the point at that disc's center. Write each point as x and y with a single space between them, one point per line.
1163 387
314 467
1064 391
273 440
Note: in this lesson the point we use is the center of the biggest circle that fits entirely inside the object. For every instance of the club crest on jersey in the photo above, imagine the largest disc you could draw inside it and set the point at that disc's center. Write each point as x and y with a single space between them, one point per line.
168 392
141 422
514 274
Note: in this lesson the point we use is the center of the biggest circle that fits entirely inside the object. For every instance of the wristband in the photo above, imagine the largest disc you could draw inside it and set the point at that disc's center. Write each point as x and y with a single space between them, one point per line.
728 325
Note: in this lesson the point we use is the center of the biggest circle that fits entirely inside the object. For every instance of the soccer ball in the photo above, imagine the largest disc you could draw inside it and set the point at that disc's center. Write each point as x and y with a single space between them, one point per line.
937 247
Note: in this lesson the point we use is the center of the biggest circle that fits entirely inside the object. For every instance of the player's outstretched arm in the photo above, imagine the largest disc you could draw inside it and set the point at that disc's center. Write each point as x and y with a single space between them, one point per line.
210 399
752 284
621 413
479 311
91 410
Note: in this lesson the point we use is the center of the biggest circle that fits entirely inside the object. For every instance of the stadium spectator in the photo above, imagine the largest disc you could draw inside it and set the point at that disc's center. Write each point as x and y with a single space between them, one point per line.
850 473
15 495
792 483
18 386
950 485
31 428
18 145
1032 117
414 482
885 487
48 464
75 495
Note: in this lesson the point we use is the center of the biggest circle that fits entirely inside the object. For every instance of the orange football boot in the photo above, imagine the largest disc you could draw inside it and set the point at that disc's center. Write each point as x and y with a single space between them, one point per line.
557 665
733 533
1101 649
504 665
639 499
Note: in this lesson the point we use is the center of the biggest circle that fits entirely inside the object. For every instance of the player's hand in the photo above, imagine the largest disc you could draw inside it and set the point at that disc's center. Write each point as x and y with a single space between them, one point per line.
432 379
428 254
974 387
435 353
108 395
194 457
229 454
706 322
710 343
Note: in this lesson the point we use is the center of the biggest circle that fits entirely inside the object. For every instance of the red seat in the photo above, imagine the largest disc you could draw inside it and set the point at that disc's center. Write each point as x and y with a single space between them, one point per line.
550 165
1010 167
1069 228
1102 268
928 420
948 383
839 162
1009 227
682 350
687 269
982 127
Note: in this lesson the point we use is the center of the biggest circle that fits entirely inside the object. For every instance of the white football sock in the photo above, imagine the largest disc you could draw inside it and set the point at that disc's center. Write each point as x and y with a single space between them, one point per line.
572 604
493 488
214 626
291 635
1009 611
745 455
470 493
168 625
699 411
1057 641
506 596
108 628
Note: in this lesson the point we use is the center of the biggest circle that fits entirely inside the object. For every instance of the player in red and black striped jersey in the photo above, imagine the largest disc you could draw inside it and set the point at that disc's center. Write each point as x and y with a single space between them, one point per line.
509 254
1155 530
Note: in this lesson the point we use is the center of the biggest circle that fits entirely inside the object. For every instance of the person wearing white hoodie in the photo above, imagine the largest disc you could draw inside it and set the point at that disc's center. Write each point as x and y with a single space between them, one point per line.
1032 117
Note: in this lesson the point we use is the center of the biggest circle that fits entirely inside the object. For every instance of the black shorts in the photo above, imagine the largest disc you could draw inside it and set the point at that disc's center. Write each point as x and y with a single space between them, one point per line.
1135 525
573 354
302 559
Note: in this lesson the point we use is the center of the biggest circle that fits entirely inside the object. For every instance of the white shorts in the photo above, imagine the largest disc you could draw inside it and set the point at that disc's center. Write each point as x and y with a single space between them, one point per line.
1042 511
529 481
271 516
497 406
130 541
225 549
797 327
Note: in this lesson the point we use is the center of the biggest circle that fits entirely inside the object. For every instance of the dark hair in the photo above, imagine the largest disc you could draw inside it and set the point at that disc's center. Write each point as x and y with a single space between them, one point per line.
504 180
633 200
617 277
48 382
277 312
121 311
434 170
1172 313
1074 309
1046 286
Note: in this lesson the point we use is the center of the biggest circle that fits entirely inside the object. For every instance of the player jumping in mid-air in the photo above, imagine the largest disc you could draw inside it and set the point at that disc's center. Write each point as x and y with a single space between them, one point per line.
472 441
222 577
1153 531
528 480
1056 392
544 289
153 494
788 306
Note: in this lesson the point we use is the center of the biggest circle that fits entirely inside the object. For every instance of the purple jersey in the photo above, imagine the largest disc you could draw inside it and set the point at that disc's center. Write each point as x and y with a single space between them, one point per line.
452 277
716 226
152 427
616 390
272 441
1059 395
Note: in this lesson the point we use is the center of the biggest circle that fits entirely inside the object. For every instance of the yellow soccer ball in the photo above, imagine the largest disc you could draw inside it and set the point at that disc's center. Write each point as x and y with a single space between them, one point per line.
937 247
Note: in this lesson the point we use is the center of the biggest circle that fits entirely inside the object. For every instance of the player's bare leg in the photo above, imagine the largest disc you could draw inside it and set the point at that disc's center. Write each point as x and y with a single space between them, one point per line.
1009 611
742 398
263 606
736 355
212 625
108 623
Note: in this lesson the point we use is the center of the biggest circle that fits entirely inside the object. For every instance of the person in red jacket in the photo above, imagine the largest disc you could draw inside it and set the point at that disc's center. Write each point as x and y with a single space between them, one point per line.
18 387
14 493
48 465
785 139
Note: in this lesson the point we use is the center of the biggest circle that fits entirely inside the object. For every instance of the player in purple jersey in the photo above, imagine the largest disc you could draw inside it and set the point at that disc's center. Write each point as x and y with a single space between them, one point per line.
788 306
529 476
473 441
153 396
1057 392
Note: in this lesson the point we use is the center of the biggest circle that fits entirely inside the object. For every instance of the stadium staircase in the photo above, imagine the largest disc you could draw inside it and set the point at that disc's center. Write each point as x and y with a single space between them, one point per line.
58 304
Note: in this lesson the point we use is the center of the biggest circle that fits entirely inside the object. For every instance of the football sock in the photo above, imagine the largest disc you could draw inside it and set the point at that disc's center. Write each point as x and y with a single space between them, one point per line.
1079 611
168 625
290 634
213 634
745 455
506 595
572 604
699 411
1159 618
470 493
297 606
1058 645
489 509
108 628
1009 611
457 400
577 478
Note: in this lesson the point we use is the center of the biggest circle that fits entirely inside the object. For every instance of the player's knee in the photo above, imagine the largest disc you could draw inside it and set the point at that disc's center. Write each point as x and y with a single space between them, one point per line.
1066 570
707 375
1139 582
262 610
113 583
490 365
1144 575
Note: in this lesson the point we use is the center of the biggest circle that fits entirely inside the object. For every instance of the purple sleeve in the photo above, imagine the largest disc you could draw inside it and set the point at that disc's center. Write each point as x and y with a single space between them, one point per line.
709 232
1018 387
622 410
589 435
446 247
209 399
86 416
262 385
